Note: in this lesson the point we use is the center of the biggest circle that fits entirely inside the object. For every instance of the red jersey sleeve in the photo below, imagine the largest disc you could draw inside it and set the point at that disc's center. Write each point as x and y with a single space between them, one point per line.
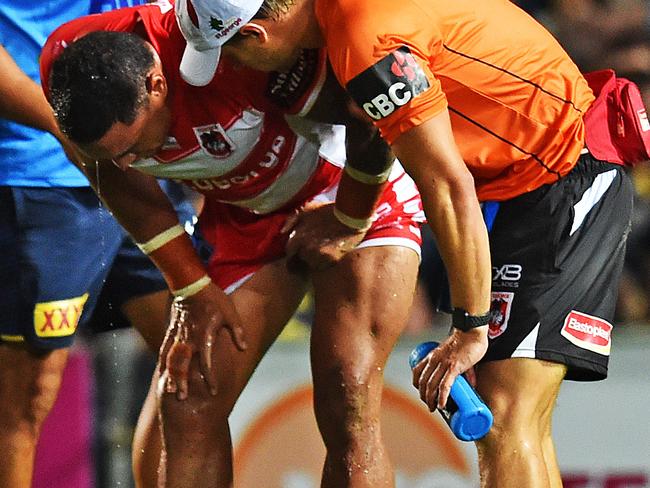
383 63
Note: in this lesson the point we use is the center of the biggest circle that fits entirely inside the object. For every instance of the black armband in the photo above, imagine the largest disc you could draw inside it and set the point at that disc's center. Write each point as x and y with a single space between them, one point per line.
369 158
462 320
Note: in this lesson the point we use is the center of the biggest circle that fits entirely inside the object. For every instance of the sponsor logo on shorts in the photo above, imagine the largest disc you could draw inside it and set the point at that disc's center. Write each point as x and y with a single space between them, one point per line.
588 332
214 140
391 82
59 318
499 313
507 276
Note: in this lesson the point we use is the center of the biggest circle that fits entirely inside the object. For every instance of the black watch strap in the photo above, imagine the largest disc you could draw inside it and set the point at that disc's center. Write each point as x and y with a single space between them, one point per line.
462 320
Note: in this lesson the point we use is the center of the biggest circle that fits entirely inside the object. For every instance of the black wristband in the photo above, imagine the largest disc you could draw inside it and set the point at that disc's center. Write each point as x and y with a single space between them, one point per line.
462 320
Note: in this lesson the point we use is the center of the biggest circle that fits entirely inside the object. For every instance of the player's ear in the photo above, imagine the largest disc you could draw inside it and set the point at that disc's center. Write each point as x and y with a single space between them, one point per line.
156 84
256 30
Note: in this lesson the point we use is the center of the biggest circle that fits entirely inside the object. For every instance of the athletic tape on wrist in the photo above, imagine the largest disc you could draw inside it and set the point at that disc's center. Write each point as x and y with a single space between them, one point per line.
361 225
161 239
366 178
192 288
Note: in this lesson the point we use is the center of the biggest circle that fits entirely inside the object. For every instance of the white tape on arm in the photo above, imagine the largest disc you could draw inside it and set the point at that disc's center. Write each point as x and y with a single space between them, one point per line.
161 239
366 178
361 225
192 288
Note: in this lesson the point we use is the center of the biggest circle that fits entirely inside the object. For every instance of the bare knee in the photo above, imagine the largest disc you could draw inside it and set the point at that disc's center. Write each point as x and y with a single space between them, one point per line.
199 412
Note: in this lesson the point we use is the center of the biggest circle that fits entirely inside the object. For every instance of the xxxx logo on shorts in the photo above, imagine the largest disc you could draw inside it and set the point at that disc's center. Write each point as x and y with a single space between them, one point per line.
391 82
588 332
58 318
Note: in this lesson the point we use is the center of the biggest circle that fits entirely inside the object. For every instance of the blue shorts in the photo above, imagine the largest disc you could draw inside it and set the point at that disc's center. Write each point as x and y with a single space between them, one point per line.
60 250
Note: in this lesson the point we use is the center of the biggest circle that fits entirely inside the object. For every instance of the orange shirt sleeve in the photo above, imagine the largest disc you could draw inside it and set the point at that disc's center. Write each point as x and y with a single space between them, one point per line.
383 62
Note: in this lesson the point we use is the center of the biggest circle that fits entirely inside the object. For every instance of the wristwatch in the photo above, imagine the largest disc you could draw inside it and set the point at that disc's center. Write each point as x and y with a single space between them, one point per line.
462 320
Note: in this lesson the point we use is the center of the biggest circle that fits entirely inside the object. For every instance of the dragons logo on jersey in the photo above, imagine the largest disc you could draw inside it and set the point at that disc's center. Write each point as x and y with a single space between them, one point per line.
214 140
388 84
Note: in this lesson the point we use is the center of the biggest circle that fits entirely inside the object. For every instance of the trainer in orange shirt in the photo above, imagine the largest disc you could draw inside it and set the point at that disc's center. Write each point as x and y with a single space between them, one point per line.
485 111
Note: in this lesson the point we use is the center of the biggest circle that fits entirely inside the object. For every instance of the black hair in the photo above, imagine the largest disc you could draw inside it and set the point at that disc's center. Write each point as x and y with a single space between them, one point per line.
97 81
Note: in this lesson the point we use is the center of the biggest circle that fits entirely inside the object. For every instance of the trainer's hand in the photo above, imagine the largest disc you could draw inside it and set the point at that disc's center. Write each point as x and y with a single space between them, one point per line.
434 375
317 239
194 326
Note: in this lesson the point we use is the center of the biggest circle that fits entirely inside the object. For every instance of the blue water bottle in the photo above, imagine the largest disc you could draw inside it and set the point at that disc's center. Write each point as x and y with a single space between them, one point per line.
467 415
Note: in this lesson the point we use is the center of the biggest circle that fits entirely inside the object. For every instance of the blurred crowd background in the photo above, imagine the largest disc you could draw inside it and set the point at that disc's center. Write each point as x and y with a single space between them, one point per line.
597 34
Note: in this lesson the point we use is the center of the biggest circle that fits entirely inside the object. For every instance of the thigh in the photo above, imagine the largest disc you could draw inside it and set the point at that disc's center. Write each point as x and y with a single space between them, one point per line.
361 307
520 391
557 255
62 243
29 382
265 301
149 315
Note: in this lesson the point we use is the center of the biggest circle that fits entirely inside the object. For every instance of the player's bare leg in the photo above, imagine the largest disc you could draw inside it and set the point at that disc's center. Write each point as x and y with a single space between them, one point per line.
361 308
198 448
147 442
149 315
29 384
548 448
518 451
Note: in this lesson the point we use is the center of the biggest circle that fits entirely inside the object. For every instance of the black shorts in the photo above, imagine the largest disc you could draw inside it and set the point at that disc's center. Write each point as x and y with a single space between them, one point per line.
557 256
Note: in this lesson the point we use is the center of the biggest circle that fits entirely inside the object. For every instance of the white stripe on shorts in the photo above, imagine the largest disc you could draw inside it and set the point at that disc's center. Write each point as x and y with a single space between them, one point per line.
526 349
591 197
392 241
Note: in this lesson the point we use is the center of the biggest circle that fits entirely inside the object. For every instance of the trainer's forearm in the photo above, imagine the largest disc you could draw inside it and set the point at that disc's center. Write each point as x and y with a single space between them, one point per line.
461 236
429 153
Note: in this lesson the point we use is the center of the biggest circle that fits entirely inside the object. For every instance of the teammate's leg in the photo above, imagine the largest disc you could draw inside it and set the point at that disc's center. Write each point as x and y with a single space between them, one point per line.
149 315
361 308
29 383
197 441
147 442
518 451
44 233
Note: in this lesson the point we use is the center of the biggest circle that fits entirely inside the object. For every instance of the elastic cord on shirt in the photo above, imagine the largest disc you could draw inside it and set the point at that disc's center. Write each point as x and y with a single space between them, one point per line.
361 225
161 239
192 288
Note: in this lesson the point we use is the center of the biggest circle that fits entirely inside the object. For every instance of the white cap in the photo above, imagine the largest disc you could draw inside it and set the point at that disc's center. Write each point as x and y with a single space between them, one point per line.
207 25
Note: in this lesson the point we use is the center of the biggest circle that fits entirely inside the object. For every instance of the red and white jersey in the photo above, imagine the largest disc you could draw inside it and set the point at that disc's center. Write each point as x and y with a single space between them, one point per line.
232 140
229 140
